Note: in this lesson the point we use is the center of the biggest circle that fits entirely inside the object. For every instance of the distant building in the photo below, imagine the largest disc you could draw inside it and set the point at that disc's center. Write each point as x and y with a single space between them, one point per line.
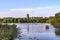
27 15
28 22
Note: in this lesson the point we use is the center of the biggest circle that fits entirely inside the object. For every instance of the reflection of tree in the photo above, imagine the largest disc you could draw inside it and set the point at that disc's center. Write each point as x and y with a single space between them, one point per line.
19 32
57 32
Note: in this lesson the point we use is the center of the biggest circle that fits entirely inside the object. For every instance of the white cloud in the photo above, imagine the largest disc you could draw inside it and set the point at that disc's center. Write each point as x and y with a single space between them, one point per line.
38 11
30 9
22 9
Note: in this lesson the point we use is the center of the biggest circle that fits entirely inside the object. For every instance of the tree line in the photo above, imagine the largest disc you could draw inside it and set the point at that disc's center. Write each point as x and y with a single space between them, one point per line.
23 20
55 20
52 19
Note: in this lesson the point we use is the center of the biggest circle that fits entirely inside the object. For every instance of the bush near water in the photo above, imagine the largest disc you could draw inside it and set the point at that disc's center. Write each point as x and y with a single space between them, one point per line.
55 20
7 32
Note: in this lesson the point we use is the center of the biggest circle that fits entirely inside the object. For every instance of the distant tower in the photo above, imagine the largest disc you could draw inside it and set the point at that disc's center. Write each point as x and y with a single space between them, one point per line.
27 15
28 22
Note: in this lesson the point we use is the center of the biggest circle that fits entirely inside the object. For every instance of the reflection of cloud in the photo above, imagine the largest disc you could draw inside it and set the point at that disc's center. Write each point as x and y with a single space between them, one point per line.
38 11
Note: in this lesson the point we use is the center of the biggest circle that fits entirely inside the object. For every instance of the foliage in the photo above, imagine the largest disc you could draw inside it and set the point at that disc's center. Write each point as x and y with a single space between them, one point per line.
23 20
7 32
55 20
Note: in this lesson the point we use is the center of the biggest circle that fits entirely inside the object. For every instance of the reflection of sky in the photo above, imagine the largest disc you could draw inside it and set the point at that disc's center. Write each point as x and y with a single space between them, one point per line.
37 31
36 28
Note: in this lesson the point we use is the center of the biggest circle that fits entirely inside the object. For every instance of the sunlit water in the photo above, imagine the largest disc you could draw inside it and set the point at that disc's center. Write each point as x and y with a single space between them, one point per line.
36 31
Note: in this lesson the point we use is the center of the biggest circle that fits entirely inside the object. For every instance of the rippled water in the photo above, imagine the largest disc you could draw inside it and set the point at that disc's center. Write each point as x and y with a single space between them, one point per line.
37 31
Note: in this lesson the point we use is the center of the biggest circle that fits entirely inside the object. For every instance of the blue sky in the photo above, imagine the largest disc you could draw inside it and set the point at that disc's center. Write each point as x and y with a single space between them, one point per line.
19 8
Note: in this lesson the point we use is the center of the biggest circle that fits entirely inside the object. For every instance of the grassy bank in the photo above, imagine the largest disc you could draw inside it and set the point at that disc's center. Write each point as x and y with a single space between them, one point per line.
7 32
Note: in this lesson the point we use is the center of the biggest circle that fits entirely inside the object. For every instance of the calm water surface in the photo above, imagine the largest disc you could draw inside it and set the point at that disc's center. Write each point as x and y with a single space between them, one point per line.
37 31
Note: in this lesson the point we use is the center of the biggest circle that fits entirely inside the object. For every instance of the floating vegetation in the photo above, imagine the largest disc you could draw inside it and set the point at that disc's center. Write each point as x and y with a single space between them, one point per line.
47 27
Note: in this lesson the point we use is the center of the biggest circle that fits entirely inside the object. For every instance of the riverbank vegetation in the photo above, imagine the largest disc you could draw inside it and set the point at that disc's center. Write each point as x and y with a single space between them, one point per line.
55 20
7 32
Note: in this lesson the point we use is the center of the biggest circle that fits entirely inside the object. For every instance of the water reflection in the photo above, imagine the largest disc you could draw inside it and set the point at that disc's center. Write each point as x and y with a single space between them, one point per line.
38 31
27 28
57 31
47 27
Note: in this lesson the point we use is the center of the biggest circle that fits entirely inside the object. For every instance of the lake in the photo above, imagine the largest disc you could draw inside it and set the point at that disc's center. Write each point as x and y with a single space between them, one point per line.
37 31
